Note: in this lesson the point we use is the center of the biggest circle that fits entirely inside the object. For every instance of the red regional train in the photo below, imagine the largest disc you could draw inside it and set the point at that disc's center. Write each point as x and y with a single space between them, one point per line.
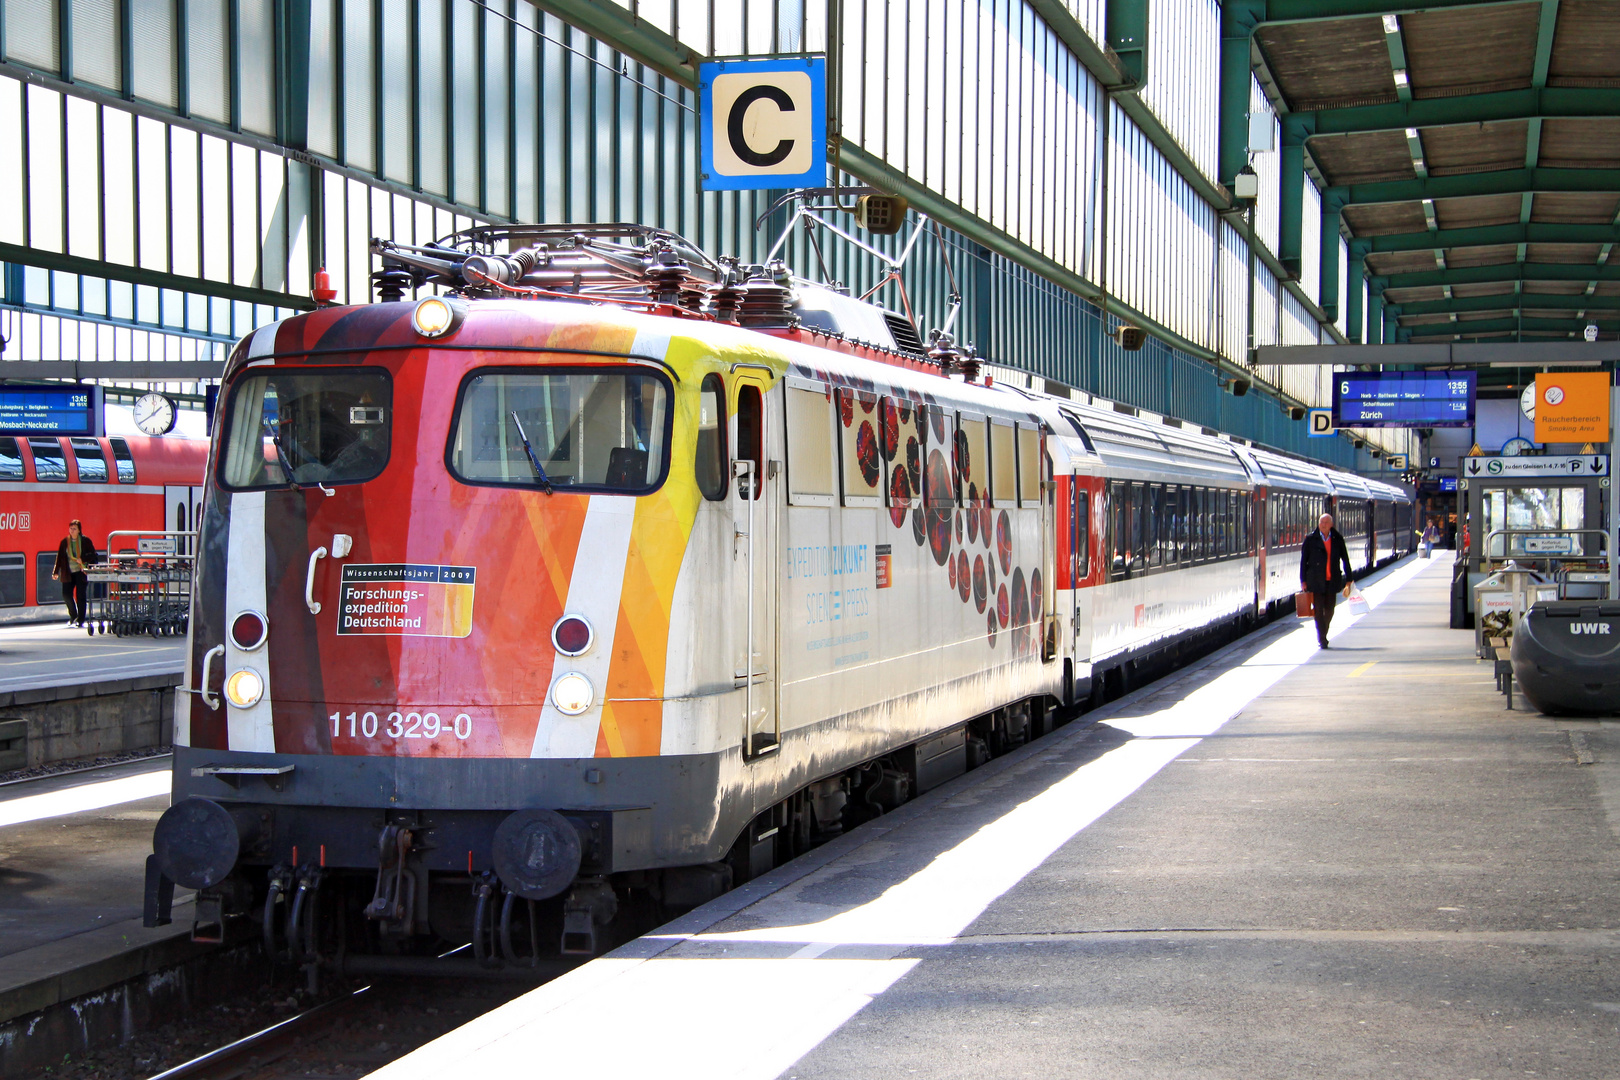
110 483
617 575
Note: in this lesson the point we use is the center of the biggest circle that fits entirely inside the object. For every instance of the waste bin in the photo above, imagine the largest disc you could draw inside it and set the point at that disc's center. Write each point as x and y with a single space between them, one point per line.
1566 657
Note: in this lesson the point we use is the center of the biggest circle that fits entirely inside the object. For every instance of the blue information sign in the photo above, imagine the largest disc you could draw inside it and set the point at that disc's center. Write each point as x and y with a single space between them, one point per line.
1448 483
50 409
1404 399
763 123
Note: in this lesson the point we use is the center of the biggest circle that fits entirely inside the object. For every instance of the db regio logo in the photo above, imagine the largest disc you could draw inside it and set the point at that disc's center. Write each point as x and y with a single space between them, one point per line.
16 522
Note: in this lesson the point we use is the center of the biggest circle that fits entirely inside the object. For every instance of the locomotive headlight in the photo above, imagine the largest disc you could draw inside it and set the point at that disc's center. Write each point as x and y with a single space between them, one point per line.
572 693
436 316
244 687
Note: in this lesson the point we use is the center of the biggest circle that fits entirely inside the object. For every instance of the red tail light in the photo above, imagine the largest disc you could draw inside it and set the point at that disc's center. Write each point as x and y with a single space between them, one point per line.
248 630
572 635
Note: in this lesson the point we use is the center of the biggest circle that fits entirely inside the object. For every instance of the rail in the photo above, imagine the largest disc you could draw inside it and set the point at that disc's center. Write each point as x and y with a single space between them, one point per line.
1554 562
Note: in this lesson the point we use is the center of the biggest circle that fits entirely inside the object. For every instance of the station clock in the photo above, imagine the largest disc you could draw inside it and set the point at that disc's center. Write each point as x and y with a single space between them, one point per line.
155 413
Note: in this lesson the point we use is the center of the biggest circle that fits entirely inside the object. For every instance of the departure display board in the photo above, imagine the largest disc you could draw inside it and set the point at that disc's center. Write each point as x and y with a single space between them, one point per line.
50 409
1404 399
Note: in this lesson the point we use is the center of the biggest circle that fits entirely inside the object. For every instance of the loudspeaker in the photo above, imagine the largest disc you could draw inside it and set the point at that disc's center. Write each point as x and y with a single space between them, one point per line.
1239 387
881 214
1296 413
1130 338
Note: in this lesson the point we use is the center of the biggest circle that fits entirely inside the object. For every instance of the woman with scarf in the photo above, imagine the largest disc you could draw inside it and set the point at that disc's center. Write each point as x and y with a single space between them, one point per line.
73 556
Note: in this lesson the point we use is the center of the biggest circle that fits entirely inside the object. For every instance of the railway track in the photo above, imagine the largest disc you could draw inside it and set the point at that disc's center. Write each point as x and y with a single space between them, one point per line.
348 1036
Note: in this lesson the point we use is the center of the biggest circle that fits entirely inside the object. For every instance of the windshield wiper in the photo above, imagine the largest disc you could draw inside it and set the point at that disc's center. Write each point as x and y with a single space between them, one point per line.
271 430
545 481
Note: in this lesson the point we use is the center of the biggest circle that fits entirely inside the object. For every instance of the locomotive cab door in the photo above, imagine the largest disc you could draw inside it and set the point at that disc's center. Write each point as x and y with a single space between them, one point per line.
754 500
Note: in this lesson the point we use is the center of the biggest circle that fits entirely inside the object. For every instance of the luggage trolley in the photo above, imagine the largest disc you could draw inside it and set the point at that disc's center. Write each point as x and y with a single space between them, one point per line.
145 591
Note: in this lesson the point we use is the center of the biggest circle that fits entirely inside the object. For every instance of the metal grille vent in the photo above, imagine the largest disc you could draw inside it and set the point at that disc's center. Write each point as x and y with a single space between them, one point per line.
905 335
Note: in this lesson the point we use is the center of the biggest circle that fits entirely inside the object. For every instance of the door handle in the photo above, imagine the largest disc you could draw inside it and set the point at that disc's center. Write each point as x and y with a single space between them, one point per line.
211 700
310 602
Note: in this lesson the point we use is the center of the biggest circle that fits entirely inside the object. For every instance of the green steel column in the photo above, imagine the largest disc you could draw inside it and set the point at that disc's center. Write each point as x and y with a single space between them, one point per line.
1296 129
1375 311
1392 324
292 91
1126 27
1355 286
1238 21
1333 201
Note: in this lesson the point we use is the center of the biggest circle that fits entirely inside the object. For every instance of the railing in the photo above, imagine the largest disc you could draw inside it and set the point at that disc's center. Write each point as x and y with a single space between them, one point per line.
1558 551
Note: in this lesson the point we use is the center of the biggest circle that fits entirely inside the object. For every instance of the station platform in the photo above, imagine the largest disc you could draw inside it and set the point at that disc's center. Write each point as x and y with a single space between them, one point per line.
1279 862
80 695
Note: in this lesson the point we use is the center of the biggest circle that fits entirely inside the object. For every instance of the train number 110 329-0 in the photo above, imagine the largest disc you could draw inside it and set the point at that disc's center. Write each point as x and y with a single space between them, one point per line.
397 725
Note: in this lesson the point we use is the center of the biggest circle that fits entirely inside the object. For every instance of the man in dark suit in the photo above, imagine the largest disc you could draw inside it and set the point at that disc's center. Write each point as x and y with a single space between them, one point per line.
1320 558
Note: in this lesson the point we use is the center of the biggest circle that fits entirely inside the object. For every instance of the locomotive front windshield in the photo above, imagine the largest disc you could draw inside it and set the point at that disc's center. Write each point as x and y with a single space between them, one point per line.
587 429
308 427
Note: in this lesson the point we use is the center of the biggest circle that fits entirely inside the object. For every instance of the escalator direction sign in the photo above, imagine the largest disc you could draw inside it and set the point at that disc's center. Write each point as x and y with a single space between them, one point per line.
1488 468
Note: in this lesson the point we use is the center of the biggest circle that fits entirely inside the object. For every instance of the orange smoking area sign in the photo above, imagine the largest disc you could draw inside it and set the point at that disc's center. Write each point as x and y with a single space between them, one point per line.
1572 407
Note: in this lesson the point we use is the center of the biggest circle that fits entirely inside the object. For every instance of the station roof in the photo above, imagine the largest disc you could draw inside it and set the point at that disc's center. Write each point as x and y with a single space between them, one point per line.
1476 146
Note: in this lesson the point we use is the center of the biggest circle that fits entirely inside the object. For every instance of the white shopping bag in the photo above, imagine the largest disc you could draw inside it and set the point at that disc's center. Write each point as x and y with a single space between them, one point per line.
1358 603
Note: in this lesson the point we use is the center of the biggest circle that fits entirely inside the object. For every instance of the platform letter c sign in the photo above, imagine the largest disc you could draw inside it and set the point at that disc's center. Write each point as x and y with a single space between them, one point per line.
763 123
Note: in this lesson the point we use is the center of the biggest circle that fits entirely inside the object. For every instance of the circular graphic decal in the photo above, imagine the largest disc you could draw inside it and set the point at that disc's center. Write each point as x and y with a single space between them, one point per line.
905 411
1004 541
951 565
964 582
866 454
899 495
1036 596
991 620
981 589
959 526
891 434
918 532
914 464
936 417
1003 604
973 514
867 401
1020 613
964 462
846 408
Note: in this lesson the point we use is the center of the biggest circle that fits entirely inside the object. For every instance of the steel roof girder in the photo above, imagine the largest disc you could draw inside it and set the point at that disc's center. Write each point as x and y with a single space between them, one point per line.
1511 302
1296 11
1607 320
1534 233
1552 101
1501 182
1477 275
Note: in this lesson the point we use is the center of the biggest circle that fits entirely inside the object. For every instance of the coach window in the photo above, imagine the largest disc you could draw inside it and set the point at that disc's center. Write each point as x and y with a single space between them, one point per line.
1003 463
123 460
13 579
809 447
11 466
49 463
46 591
1119 520
710 459
1080 536
1141 527
750 435
973 460
1155 525
1183 547
91 462
862 462
1029 466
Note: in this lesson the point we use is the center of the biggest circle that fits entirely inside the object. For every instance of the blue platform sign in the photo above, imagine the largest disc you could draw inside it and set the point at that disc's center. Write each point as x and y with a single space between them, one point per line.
763 123
50 409
1404 399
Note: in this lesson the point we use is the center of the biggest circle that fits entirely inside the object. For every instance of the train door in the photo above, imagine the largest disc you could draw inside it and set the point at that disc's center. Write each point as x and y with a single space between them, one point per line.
754 498
182 511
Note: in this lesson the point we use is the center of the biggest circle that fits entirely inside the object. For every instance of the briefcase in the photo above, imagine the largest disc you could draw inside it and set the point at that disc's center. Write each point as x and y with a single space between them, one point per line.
1304 604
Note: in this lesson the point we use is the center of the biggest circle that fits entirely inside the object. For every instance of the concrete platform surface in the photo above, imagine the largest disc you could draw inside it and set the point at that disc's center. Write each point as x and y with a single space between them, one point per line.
36 656
1278 863
73 852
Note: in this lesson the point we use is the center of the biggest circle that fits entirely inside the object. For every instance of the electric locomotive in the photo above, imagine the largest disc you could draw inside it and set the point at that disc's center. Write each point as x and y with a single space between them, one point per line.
616 575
